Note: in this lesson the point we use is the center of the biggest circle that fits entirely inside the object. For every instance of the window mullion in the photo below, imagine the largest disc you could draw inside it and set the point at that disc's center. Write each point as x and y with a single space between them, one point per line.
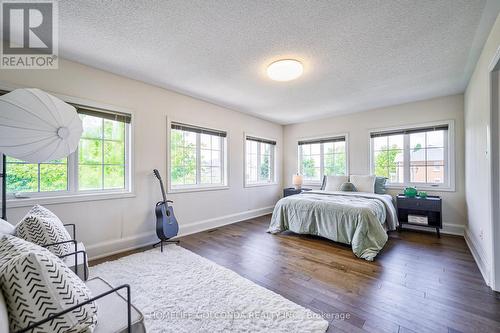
406 159
259 161
321 162
198 160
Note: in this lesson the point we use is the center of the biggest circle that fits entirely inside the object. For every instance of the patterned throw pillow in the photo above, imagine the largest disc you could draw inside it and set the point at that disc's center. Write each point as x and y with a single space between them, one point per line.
42 227
37 284
12 246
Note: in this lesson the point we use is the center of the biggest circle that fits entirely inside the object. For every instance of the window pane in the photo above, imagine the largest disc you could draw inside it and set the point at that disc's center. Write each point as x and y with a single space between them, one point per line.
90 177
329 164
53 177
417 155
418 173
215 158
206 175
265 171
435 139
114 152
396 142
114 130
205 141
216 173
216 142
339 147
206 157
92 127
22 177
306 149
114 176
417 140
189 139
435 155
315 149
90 151
396 173
328 148
380 143
435 174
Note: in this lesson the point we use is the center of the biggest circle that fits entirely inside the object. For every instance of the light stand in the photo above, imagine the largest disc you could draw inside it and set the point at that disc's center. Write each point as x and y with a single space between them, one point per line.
4 187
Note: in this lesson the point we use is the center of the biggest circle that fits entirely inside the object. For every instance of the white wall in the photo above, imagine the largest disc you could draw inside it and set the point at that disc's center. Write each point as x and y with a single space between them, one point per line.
110 225
358 126
478 171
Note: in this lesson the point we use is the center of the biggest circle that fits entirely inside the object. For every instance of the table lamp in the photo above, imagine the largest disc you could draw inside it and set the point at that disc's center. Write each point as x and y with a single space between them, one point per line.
297 181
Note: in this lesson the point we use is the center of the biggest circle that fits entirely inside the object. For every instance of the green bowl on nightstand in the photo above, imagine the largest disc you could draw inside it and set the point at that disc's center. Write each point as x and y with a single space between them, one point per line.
422 195
410 192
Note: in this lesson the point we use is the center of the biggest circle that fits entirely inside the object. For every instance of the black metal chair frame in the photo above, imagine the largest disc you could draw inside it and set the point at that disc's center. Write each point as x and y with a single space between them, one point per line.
54 316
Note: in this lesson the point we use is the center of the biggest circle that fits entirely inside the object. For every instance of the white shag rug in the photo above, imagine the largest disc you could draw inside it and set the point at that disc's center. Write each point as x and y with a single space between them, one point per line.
179 291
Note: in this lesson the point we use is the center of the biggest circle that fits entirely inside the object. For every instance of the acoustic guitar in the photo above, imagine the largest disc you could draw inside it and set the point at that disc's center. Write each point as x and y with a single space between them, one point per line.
166 223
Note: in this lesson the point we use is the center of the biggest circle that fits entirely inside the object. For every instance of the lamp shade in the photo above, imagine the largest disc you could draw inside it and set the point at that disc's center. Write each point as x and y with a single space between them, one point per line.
37 127
297 181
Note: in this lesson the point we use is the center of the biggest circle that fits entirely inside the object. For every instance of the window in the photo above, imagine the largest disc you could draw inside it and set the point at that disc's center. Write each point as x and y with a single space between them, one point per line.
259 161
416 156
197 157
44 177
322 157
100 163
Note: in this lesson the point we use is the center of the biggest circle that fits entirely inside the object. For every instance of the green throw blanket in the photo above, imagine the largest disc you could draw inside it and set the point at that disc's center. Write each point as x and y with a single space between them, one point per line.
353 218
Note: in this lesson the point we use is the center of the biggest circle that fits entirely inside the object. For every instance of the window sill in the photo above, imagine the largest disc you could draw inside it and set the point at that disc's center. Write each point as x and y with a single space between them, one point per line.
260 184
425 188
60 199
197 189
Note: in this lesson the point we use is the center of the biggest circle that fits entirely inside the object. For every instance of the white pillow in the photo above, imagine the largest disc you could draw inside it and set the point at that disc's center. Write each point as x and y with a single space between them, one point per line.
363 183
4 317
6 228
333 183
42 227
36 283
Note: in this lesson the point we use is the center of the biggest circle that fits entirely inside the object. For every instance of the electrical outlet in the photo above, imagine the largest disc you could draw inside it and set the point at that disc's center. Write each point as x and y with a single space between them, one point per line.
481 234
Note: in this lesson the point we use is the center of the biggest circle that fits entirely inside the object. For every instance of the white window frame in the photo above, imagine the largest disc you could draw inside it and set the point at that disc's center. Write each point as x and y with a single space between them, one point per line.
322 169
272 162
449 156
198 187
72 194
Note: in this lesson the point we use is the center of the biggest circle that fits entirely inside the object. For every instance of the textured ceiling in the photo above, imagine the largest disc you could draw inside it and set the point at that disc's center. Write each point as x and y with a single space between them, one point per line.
358 54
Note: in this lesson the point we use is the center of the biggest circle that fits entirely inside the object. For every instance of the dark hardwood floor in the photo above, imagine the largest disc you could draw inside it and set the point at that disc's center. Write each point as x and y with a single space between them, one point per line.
418 283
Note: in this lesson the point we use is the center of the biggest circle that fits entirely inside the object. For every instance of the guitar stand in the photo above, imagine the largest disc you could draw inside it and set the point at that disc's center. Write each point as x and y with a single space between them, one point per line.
165 241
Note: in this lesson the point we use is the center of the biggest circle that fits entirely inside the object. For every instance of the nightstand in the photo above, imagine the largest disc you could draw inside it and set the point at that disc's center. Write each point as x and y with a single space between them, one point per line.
420 212
291 191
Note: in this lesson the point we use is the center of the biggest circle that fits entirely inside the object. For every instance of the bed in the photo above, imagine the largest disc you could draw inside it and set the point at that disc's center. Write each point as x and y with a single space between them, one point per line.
356 218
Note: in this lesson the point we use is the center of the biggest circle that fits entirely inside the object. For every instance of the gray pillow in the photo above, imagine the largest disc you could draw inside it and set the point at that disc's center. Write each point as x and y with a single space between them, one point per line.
348 187
380 187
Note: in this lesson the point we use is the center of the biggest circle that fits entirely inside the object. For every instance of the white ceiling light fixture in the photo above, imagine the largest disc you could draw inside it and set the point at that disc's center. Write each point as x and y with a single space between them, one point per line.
285 70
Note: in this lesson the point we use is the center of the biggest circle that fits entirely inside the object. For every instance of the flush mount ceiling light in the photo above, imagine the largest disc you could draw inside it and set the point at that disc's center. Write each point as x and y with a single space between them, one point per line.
285 70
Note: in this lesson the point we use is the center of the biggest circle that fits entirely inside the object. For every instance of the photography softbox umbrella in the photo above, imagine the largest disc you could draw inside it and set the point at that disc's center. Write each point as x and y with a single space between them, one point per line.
37 127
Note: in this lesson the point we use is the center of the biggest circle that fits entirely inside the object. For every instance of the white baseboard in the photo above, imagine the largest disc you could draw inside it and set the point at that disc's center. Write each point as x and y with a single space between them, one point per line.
448 228
479 256
107 248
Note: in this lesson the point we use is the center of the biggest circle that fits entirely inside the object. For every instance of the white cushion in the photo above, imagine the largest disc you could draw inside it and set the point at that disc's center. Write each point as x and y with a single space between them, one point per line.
4 317
36 284
6 228
42 227
363 183
333 183
113 308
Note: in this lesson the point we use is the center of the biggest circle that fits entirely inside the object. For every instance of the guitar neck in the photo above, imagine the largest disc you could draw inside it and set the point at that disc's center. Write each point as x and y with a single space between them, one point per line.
163 191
